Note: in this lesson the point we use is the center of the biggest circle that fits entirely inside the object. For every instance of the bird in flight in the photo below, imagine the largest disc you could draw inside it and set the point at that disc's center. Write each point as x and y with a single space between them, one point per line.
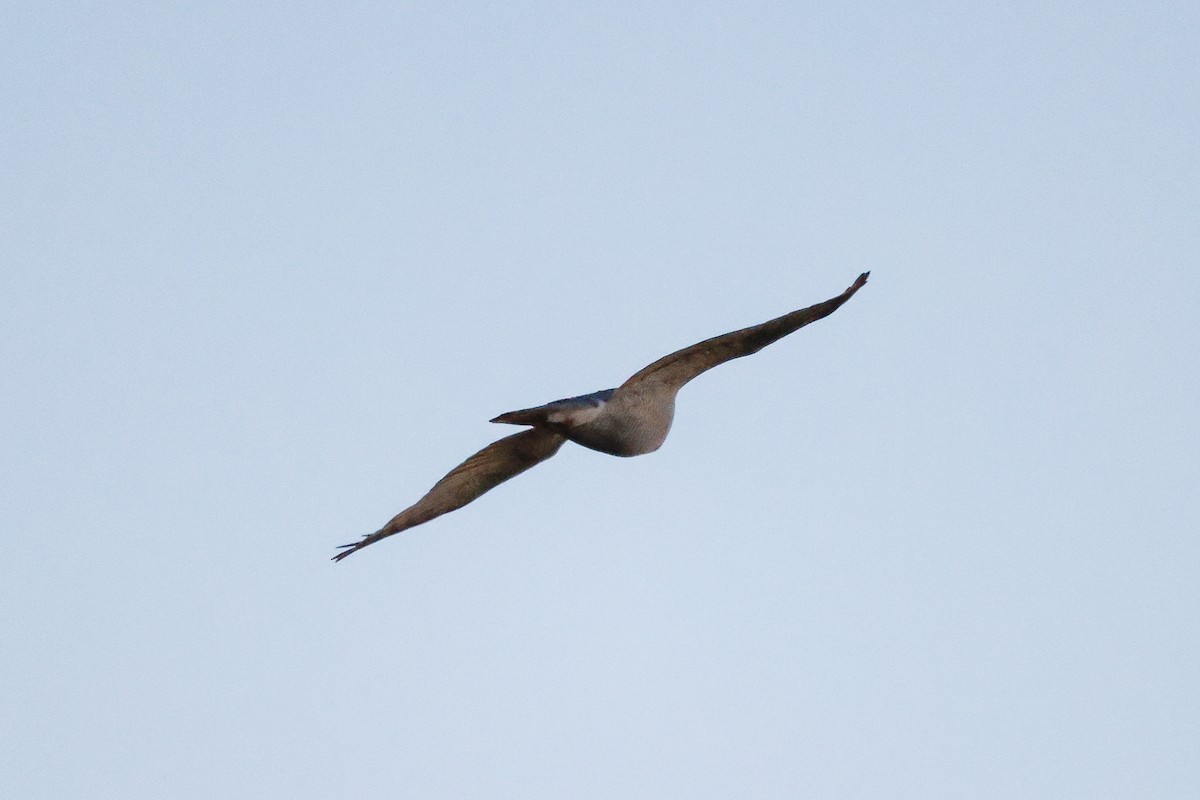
630 420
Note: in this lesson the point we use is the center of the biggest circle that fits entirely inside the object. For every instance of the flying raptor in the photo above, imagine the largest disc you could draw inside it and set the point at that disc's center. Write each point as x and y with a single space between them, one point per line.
631 420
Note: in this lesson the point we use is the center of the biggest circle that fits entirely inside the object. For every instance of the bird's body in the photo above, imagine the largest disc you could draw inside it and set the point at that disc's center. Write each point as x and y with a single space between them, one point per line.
613 422
630 420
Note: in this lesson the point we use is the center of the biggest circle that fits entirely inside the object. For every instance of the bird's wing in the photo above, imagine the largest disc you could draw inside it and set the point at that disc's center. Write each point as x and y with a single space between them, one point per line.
673 371
485 470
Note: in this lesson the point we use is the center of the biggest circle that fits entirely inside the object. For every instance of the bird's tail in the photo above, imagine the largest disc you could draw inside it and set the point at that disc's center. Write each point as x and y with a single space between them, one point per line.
525 416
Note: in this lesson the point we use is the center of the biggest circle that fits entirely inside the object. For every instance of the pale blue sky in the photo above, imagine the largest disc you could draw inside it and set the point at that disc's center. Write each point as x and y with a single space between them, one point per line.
268 270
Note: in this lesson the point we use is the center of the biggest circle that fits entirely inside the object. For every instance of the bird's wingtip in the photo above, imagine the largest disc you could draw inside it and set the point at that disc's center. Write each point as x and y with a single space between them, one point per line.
346 549
859 282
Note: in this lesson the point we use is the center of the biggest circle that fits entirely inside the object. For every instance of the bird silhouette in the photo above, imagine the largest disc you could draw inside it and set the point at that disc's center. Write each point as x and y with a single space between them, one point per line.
631 420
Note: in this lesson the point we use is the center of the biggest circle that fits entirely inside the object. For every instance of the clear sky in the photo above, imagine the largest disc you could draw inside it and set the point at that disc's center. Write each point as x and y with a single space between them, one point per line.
268 269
